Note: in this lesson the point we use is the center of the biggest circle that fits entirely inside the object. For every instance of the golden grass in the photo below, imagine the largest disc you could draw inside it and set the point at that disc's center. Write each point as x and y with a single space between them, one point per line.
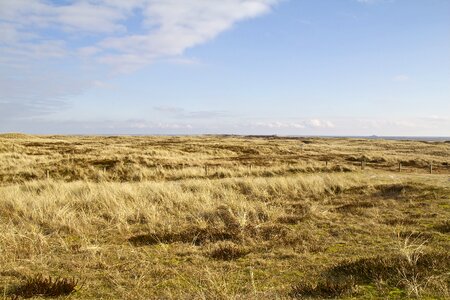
141 218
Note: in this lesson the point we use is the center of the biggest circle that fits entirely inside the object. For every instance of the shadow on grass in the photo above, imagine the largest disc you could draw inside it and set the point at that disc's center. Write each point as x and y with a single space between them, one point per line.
44 287
398 271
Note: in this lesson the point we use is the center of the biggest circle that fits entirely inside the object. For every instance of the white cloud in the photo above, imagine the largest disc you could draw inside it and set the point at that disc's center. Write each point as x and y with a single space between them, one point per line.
414 126
166 30
102 85
316 123
36 94
300 124
278 125
88 51
181 113
87 16
9 33
400 78
172 26
40 37
130 126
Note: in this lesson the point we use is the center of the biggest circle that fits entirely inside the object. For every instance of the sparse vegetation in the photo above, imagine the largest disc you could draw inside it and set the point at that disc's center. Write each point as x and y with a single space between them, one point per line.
142 218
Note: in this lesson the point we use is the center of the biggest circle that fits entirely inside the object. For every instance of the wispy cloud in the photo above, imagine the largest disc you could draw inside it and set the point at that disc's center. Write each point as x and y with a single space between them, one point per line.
181 113
425 126
40 37
300 124
400 78
34 93
130 126
166 28
84 16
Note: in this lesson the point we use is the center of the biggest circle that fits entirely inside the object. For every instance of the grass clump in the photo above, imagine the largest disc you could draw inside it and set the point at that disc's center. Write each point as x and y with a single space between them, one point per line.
227 251
324 289
192 235
410 271
413 271
42 286
444 227
290 219
369 269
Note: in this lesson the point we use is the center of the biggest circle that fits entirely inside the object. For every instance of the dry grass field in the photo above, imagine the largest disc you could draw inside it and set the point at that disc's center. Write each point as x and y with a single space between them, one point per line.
223 218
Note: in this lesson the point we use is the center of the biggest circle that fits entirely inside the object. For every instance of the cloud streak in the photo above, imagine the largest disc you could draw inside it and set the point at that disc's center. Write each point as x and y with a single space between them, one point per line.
301 124
400 78
181 113
34 94
419 126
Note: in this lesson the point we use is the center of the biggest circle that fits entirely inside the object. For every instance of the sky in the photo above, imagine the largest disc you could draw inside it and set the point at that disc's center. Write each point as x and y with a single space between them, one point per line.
286 67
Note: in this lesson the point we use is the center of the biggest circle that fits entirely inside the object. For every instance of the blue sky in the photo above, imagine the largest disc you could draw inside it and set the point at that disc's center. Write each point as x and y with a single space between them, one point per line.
302 67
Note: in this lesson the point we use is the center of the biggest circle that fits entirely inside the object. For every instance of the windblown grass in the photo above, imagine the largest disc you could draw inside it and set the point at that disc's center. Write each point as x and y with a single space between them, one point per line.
141 218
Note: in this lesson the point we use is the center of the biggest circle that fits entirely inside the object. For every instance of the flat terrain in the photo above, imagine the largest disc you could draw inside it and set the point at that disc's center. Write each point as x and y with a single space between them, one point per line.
223 218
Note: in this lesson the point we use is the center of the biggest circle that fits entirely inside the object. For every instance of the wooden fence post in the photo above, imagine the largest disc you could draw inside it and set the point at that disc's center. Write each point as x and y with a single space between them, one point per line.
399 166
206 170
431 167
48 174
